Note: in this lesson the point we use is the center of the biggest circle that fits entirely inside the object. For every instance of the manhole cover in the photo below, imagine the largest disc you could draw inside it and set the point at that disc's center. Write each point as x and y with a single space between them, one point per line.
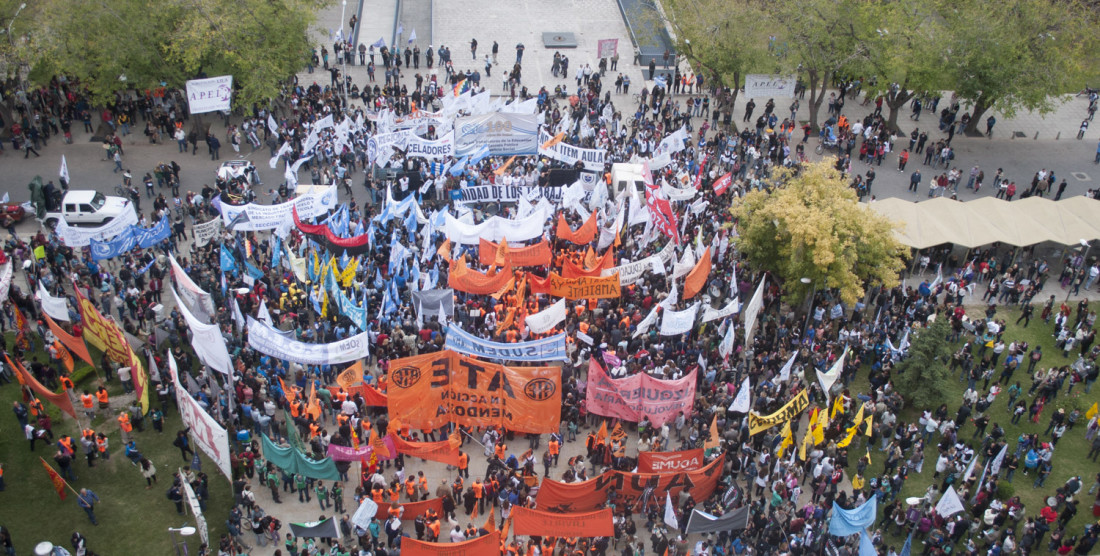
1081 176
559 39
1019 134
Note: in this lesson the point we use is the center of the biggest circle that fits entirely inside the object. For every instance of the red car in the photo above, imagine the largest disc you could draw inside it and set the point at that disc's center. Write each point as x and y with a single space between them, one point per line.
13 210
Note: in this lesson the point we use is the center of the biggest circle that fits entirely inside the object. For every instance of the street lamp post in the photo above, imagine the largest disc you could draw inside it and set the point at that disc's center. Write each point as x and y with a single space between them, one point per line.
344 80
185 531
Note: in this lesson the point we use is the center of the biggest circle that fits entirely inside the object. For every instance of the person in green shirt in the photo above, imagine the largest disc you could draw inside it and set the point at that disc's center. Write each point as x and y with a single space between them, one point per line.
322 496
291 544
158 419
337 494
303 488
273 482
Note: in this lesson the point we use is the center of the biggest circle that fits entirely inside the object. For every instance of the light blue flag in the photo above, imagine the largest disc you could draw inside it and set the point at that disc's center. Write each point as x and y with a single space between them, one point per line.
849 522
379 283
866 546
147 267
459 166
228 263
479 155
252 271
907 548
276 251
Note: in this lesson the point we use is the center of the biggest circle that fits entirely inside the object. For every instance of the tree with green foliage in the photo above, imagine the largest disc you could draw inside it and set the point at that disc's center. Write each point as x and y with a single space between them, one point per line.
1026 52
812 226
924 376
723 37
140 44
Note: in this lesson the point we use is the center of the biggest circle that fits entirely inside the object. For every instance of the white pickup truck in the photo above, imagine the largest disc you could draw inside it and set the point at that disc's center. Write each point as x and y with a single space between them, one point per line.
86 208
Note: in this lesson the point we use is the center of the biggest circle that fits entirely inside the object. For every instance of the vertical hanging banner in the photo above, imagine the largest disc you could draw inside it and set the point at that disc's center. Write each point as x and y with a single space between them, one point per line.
210 95
429 390
208 435
632 397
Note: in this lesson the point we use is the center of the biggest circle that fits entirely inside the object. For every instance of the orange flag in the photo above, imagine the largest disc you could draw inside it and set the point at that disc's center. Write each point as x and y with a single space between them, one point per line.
601 435
288 393
379 447
351 376
553 140
504 168
62 400
491 521
715 440
313 407
64 355
58 482
618 433
75 344
697 278
444 250
504 530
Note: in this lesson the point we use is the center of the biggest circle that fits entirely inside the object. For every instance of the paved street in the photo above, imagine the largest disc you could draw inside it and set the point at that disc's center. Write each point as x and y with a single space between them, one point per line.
455 23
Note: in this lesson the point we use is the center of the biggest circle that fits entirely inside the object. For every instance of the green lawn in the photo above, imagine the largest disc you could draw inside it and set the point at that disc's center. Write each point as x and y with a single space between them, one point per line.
132 520
1069 456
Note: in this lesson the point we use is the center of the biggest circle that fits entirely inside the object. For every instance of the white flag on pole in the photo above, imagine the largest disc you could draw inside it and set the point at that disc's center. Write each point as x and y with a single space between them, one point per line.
741 403
670 513
64 170
949 503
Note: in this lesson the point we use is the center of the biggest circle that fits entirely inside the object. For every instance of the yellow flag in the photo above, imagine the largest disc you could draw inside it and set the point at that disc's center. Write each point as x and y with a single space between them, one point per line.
819 427
859 416
868 422
838 407
868 455
787 440
848 439
1092 411
806 440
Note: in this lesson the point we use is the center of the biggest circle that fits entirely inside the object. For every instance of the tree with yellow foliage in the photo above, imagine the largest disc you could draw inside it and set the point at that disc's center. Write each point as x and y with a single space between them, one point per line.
810 225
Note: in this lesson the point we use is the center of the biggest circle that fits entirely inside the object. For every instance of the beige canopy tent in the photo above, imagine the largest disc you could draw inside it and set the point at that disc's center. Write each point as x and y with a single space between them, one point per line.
988 220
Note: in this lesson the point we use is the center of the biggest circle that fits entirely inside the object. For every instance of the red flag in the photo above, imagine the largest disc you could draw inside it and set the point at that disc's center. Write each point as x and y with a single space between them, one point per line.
660 209
21 328
61 400
723 183
699 174
58 482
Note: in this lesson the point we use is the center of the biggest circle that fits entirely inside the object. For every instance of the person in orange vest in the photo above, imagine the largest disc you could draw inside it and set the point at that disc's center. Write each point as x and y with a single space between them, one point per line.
410 488
463 465
102 446
501 450
422 485
66 383
378 494
88 401
65 443
433 528
555 448
124 425
103 397
478 491
36 407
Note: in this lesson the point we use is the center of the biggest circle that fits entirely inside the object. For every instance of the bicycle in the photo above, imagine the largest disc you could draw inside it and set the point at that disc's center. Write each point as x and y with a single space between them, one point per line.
122 192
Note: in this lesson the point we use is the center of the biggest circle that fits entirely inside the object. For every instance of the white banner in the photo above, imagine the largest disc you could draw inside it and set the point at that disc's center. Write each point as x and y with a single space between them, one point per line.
675 323
269 217
646 323
753 309
383 144
489 193
545 349
55 307
685 264
759 85
5 280
710 313
496 229
504 134
206 231
208 435
949 503
673 143
209 95
630 273
269 341
198 300
593 159
547 318
441 148
73 236
196 509
207 340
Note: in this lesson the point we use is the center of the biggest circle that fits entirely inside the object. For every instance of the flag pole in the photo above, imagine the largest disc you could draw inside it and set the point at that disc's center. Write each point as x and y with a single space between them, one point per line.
70 487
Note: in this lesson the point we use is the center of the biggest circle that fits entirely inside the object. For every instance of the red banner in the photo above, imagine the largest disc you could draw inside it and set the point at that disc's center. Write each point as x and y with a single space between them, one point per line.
444 451
592 494
62 400
371 396
463 279
411 510
670 462
487 544
636 395
723 183
660 209
539 523
570 269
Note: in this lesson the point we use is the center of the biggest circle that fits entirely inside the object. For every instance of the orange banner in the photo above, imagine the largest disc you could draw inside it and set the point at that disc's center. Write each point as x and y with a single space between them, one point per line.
534 255
697 278
585 234
569 269
538 523
463 279
443 451
430 390
486 544
592 494
63 354
75 344
62 400
102 333
606 287
411 509
351 376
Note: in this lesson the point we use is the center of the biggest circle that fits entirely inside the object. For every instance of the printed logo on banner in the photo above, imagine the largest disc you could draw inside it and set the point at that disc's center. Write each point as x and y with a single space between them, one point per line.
540 389
405 377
